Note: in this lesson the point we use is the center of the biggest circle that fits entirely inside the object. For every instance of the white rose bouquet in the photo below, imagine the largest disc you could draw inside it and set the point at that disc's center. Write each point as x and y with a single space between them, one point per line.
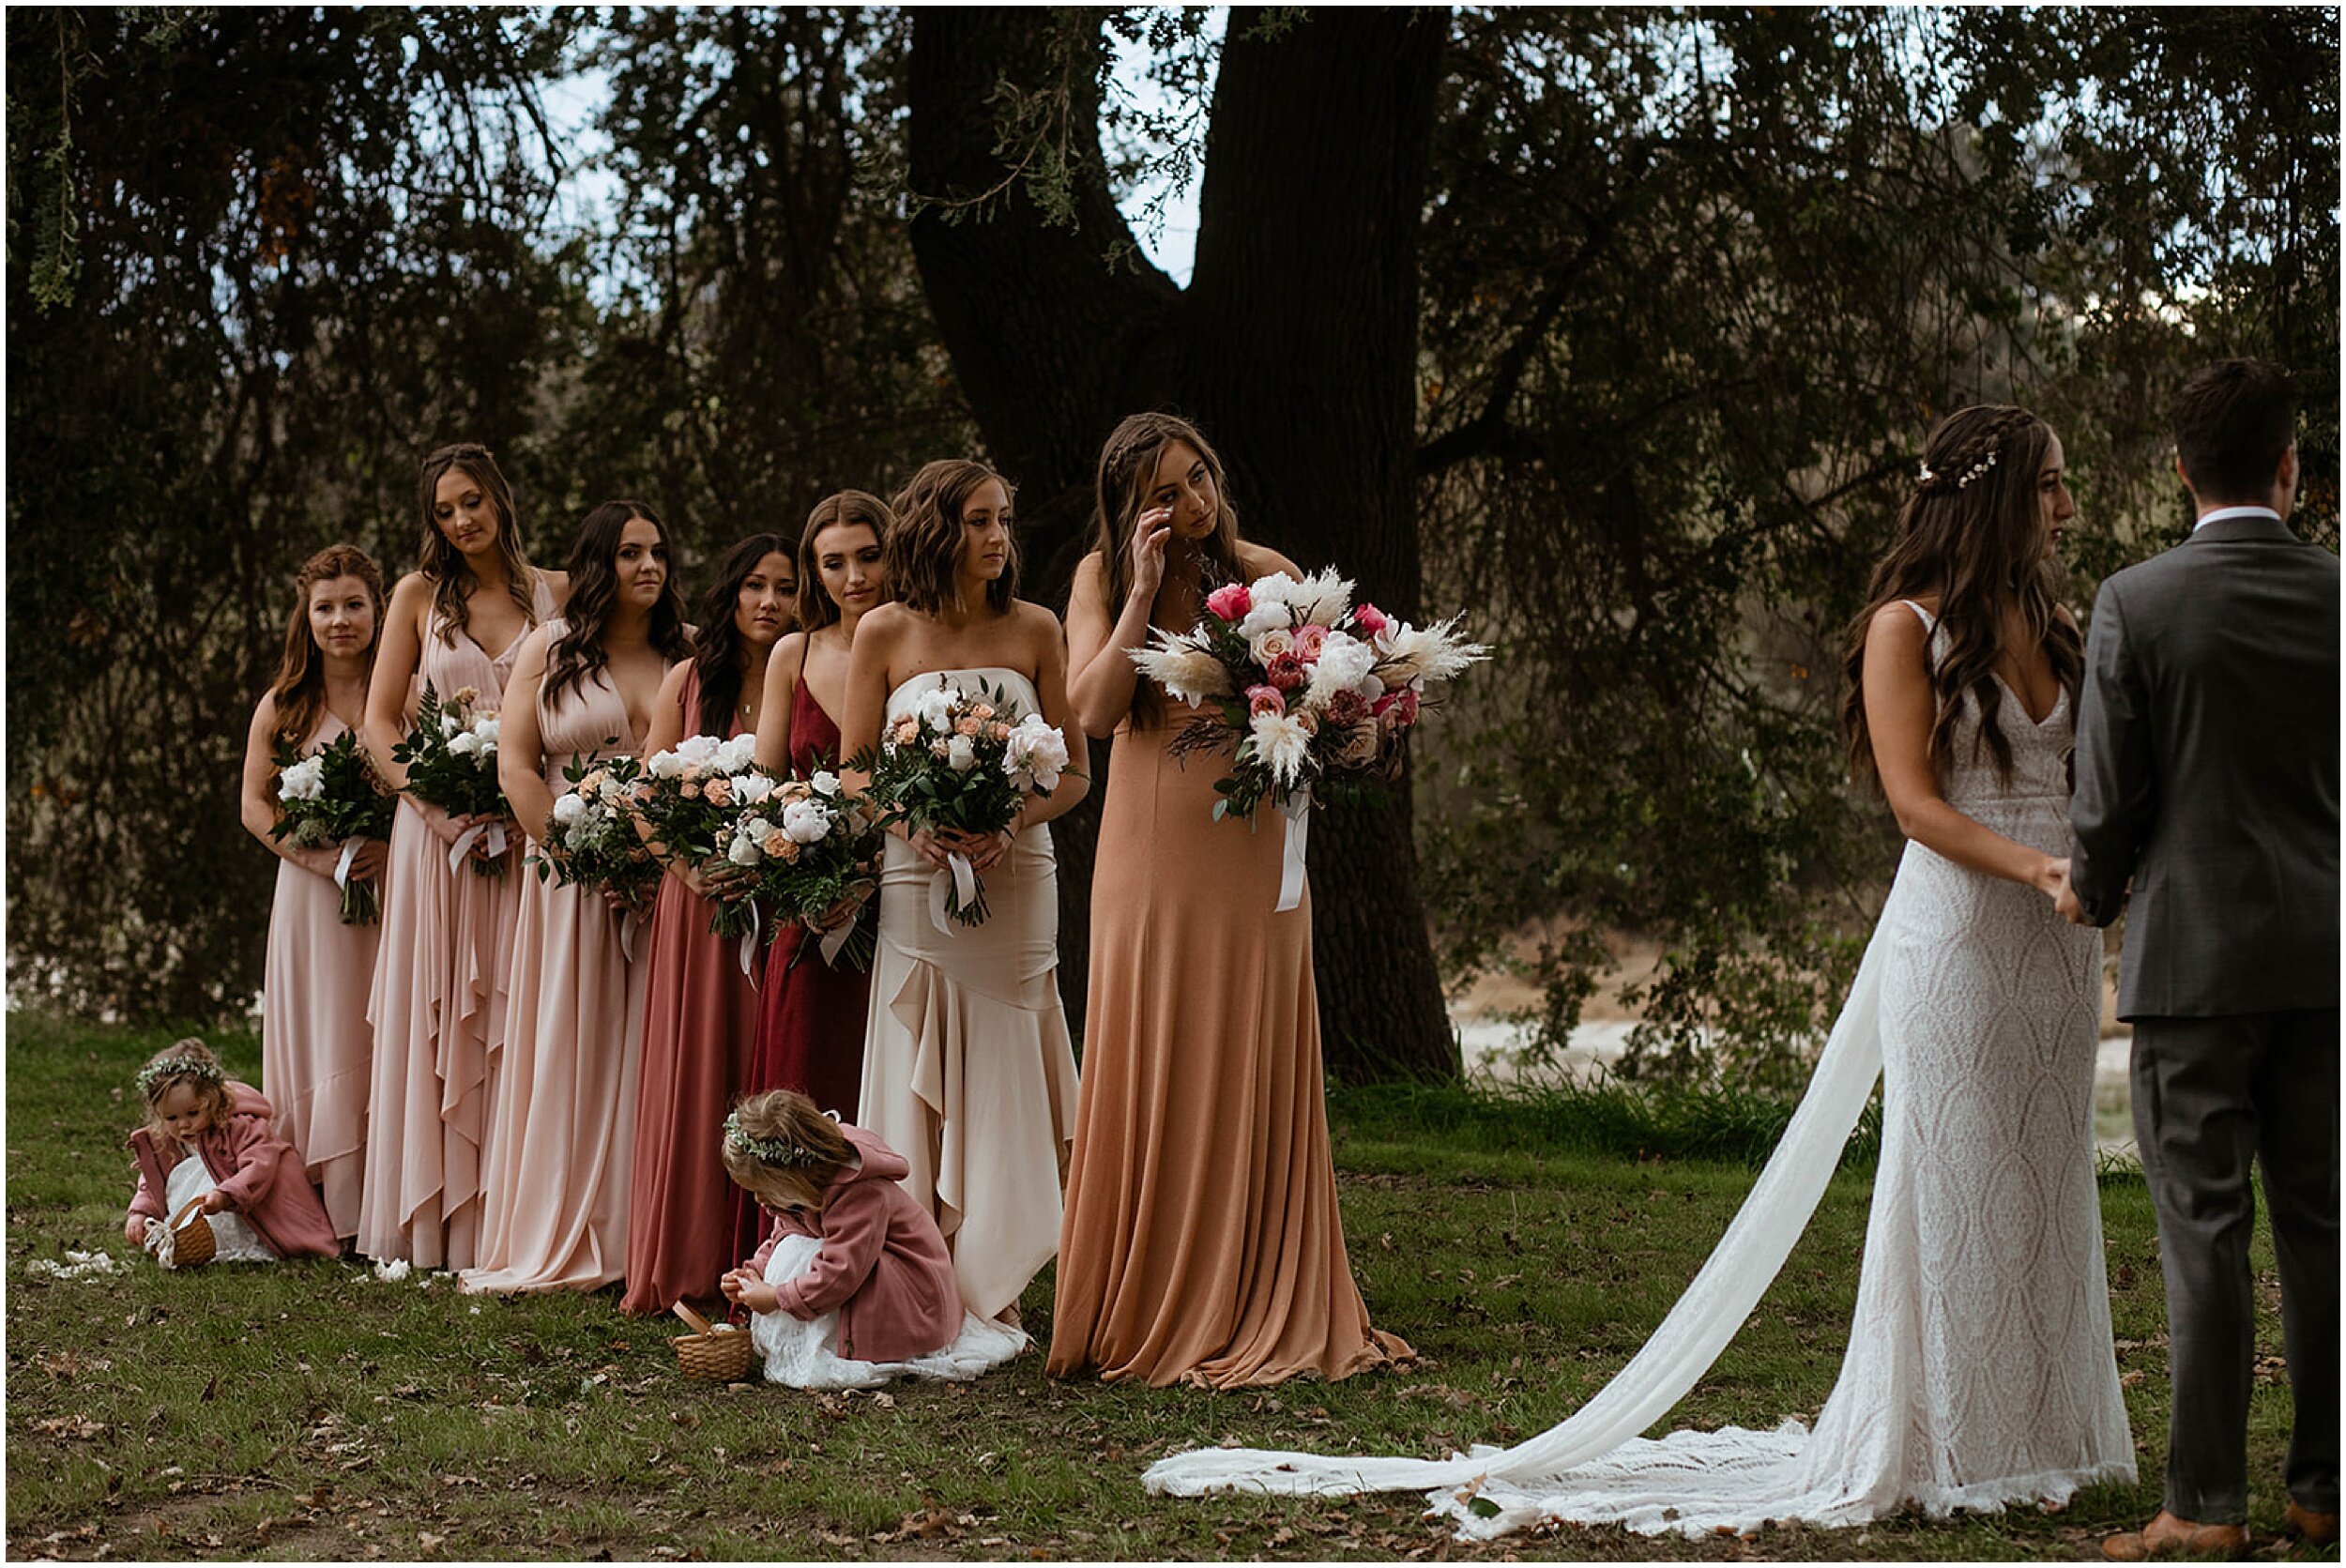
334 796
451 759
595 842
1317 692
695 797
814 848
963 762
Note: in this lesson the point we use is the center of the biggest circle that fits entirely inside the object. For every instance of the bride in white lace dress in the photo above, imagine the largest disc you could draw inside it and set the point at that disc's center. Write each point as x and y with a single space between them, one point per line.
1980 1369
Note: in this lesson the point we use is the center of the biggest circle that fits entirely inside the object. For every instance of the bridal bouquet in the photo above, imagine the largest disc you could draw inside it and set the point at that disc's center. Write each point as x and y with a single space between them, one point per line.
451 759
963 762
695 797
334 796
814 848
595 843
1317 691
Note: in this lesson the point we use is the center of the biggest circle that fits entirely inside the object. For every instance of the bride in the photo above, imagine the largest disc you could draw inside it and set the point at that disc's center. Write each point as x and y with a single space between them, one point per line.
1980 1369
968 1068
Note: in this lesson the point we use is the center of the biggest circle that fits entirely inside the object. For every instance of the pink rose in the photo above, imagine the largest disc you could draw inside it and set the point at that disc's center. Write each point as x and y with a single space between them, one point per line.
968 725
1347 708
1308 641
1285 672
1368 620
907 730
982 711
1230 601
1396 710
774 844
718 791
998 731
1264 699
692 790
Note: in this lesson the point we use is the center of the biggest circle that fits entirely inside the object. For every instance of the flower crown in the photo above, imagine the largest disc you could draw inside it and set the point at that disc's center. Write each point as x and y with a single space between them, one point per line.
771 1152
1926 474
167 1068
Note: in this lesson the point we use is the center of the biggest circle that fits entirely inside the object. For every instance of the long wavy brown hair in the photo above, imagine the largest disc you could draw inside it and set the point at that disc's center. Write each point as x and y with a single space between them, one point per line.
578 652
923 551
1128 465
444 566
817 608
1971 534
300 684
717 645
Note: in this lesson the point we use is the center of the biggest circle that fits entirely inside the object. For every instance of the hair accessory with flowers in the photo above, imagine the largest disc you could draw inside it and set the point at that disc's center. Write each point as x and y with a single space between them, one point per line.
772 1151
1977 469
168 1068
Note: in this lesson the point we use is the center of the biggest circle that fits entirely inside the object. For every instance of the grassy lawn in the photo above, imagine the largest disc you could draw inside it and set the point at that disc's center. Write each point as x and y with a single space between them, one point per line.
310 1410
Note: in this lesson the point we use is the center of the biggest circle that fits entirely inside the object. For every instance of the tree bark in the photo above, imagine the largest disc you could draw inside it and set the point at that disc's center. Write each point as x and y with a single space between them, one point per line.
1294 347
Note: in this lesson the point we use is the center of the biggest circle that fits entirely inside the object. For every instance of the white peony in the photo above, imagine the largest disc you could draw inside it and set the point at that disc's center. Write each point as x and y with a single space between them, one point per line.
666 764
746 838
737 753
1344 661
805 821
825 782
1266 614
1284 745
463 743
961 754
1035 754
1276 588
485 731
304 780
569 810
935 708
697 750
449 725
752 790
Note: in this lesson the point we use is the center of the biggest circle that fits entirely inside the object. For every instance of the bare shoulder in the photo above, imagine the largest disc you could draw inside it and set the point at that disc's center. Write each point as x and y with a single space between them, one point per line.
1895 631
411 593
557 583
530 658
264 711
1035 625
671 683
788 649
1260 560
882 623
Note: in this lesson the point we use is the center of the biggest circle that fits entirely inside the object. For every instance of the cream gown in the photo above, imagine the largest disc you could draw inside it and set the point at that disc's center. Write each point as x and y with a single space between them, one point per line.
968 1068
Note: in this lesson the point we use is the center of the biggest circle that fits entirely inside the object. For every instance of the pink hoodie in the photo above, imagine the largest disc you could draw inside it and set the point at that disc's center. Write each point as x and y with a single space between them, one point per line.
259 1173
883 1263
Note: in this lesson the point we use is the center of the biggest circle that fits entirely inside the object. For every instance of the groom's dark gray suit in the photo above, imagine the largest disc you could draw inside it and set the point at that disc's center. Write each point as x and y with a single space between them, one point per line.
2207 776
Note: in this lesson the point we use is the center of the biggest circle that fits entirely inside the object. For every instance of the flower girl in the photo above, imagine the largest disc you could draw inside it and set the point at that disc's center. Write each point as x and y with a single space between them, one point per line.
208 1141
853 1285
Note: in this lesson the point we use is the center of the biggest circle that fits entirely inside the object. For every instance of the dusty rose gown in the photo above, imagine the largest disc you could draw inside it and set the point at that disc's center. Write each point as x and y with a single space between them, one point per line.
699 1014
810 1017
315 1044
562 1136
438 1008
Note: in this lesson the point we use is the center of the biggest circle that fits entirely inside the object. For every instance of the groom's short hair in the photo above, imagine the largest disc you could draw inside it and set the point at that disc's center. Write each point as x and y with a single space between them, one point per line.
2233 419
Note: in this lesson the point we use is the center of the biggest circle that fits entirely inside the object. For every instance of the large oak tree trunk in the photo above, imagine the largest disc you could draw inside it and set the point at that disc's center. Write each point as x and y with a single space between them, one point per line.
1294 347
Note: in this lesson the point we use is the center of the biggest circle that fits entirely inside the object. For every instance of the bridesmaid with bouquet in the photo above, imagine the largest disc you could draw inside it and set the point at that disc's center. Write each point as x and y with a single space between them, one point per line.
314 1040
1202 1240
701 1011
811 1016
437 1005
968 1068
584 687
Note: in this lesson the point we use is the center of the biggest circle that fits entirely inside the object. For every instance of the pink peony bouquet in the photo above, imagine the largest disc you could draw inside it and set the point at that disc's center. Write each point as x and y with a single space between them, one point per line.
815 849
595 841
452 760
1317 692
694 796
963 761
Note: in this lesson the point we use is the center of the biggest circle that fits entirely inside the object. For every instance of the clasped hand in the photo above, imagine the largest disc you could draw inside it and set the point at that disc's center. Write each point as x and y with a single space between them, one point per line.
744 1288
938 846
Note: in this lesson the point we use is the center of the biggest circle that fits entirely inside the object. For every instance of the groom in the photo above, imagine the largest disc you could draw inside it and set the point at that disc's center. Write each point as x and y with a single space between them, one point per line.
2207 775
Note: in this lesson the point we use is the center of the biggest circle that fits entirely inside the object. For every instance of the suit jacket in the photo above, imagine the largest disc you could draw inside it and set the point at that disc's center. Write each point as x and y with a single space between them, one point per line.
2207 762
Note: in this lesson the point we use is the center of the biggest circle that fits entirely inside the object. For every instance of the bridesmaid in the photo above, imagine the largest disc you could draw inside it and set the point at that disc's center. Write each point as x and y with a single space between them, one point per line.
700 1009
1202 1239
314 1040
811 1016
437 1005
555 1191
966 1066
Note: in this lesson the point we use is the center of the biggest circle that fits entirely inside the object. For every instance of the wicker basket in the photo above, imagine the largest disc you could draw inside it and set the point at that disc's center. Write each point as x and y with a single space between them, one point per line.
191 1239
709 1354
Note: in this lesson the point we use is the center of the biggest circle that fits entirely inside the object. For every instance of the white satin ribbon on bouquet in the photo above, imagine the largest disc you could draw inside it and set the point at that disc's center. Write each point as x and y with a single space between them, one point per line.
749 945
629 923
1297 808
465 839
964 883
342 867
836 938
